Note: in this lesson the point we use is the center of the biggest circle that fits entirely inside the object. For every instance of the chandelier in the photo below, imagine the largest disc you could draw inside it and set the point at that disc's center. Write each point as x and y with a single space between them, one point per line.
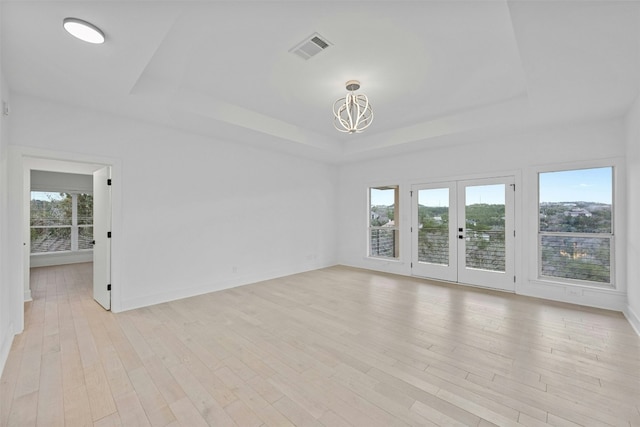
352 113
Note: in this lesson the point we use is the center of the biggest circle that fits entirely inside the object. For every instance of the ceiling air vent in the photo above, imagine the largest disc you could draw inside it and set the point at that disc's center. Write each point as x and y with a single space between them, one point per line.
311 46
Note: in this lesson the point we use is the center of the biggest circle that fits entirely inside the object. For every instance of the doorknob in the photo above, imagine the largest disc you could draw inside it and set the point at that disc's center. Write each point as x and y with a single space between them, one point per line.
460 236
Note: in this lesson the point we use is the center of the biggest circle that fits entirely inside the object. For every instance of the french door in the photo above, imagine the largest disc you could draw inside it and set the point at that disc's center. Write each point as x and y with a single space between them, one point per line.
463 231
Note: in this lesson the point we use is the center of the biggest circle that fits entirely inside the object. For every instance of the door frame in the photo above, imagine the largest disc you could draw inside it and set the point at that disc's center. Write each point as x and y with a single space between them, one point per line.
449 272
520 237
22 161
486 276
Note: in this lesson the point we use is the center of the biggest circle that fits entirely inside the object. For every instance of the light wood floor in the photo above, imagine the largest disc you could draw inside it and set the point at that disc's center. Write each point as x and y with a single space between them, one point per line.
333 347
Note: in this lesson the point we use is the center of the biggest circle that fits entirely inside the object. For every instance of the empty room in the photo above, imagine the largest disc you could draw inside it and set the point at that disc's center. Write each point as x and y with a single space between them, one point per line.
320 213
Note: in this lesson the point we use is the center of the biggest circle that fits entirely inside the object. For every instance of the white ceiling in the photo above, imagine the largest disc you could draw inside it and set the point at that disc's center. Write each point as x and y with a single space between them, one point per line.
436 72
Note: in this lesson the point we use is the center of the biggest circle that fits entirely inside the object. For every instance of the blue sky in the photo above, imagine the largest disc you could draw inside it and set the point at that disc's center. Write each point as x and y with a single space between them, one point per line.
382 197
434 197
43 195
489 194
583 185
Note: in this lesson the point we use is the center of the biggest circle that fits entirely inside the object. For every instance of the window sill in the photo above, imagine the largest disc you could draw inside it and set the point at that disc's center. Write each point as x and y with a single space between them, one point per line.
79 251
383 259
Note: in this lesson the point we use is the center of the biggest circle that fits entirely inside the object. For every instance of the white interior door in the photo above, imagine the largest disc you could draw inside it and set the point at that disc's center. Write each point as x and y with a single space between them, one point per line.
102 237
463 231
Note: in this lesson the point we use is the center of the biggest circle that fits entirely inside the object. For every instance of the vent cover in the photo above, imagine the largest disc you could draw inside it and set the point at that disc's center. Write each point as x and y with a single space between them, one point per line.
311 46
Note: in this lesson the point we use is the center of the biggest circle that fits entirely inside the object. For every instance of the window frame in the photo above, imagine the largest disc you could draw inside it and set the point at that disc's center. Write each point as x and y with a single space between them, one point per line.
615 221
395 228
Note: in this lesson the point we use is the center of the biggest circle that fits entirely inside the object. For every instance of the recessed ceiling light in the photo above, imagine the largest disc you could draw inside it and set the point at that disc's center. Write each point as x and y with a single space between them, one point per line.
83 30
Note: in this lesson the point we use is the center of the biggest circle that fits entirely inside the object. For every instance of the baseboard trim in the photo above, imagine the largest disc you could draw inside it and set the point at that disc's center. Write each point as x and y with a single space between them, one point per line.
60 258
633 318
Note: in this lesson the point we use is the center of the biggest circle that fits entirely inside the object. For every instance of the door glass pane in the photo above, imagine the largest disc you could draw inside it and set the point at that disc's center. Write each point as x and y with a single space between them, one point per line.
485 227
433 226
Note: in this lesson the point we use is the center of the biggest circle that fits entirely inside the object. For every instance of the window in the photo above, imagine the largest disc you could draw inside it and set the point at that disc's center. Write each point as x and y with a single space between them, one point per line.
575 231
61 221
384 239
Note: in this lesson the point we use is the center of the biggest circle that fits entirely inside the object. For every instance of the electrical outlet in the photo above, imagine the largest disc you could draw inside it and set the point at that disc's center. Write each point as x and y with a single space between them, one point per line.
572 292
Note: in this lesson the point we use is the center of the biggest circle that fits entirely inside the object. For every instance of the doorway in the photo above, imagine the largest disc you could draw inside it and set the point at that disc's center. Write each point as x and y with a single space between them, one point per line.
102 212
464 232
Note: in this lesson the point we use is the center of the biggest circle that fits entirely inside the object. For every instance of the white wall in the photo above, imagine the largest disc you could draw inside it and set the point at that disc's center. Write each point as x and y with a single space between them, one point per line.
519 155
10 293
633 208
193 214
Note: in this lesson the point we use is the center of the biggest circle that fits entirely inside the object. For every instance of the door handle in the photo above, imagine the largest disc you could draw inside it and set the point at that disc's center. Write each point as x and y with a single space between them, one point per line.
460 236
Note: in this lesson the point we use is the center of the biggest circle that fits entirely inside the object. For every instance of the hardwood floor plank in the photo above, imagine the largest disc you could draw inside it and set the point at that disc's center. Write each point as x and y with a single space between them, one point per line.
187 414
242 415
150 397
112 420
28 379
298 416
428 399
9 380
212 412
130 410
77 411
163 380
263 409
24 410
51 400
98 392
438 418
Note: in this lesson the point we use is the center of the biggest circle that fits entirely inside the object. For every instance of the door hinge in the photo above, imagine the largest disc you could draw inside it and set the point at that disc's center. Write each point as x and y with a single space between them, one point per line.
411 265
514 279
412 229
514 233
514 186
411 193
109 287
109 181
108 234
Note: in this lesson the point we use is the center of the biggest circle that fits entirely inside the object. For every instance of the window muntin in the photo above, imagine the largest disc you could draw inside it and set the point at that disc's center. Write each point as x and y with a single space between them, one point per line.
383 231
60 221
575 225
